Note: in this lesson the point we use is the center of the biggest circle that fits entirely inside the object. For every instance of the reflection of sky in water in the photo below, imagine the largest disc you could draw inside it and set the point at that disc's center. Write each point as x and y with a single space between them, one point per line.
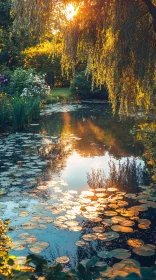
77 167
97 144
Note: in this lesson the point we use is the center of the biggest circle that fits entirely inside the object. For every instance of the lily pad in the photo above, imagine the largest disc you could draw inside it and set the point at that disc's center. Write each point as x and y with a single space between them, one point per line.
126 223
80 243
89 237
108 236
62 260
18 246
136 243
75 228
121 228
110 213
105 254
98 229
121 254
71 223
39 247
145 250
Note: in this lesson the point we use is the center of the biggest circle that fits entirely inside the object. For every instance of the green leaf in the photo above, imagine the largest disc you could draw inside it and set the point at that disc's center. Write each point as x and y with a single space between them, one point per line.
132 276
11 262
81 269
91 262
146 273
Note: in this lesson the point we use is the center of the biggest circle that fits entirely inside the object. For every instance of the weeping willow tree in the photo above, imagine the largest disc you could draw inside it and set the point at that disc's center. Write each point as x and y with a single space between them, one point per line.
116 39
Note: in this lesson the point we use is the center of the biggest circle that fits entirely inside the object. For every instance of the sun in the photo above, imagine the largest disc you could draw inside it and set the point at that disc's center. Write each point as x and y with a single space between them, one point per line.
70 11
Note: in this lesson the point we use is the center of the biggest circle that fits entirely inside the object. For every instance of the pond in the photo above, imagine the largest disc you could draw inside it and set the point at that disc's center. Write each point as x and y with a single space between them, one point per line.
55 212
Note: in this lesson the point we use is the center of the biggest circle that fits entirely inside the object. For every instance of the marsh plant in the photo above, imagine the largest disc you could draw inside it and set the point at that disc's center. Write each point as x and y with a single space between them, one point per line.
4 111
23 111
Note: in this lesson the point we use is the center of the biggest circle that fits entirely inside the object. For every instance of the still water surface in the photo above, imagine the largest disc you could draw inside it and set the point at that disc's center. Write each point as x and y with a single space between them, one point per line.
43 178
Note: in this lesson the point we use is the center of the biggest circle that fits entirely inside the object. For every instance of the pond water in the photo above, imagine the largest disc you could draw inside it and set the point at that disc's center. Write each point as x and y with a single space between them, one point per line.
45 194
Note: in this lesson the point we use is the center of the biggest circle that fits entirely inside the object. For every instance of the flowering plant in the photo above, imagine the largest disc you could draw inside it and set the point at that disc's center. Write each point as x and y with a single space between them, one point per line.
35 86
27 83
3 80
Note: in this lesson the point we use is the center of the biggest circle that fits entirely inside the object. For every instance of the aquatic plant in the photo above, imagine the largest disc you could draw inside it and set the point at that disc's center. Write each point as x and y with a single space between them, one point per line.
23 111
19 113
4 111
91 269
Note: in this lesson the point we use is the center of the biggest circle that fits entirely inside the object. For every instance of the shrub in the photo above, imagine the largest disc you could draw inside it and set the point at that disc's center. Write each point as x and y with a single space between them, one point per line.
81 87
3 81
26 83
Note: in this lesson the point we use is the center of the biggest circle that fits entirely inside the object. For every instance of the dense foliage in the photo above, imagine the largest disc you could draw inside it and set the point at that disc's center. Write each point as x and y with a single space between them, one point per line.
81 87
116 39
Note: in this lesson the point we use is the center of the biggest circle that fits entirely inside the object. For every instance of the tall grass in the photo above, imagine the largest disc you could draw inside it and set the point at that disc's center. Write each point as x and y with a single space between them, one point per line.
33 107
4 116
23 111
19 113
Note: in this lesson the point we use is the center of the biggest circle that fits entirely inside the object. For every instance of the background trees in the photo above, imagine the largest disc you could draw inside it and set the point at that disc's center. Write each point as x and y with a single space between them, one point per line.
115 39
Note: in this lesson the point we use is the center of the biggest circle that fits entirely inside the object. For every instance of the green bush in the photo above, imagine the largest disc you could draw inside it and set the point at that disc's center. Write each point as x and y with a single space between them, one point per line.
19 80
27 83
81 87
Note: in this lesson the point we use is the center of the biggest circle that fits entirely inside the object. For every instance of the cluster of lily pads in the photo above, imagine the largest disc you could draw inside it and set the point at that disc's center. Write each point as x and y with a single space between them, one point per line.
104 216
111 222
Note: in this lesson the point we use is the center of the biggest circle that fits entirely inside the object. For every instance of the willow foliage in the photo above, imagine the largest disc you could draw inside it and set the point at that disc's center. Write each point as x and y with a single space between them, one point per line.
115 38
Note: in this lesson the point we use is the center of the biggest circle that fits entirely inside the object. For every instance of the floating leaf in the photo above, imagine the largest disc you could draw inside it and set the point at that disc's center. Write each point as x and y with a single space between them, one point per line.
145 250
42 188
24 214
121 254
108 236
110 213
29 225
126 223
105 254
117 219
18 246
121 228
71 223
75 228
98 229
144 223
80 243
136 243
39 247
89 237
62 260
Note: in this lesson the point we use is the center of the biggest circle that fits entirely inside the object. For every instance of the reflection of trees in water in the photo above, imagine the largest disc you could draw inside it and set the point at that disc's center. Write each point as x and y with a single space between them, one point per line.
97 129
56 153
125 176
116 191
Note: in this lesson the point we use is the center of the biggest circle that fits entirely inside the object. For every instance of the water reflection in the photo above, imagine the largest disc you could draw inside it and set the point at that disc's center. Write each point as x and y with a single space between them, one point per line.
44 184
93 131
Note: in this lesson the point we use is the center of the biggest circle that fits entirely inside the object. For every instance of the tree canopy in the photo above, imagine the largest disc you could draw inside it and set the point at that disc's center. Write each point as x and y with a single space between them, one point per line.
116 39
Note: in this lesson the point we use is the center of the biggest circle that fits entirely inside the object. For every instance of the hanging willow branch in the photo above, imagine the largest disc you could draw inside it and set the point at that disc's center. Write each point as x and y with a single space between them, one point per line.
113 37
